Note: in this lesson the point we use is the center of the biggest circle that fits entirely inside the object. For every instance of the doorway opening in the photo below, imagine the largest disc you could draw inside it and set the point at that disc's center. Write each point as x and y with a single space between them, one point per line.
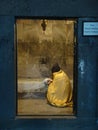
39 44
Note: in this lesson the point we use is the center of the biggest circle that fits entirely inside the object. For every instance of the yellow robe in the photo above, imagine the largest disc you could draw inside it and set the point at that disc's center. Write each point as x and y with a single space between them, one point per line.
59 92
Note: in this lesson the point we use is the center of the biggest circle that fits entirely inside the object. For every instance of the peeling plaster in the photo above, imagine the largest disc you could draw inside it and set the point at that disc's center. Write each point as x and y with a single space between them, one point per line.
81 67
97 121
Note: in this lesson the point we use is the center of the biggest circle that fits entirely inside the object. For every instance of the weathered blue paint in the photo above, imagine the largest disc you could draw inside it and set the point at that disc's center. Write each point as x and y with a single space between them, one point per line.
59 8
87 86
87 52
7 76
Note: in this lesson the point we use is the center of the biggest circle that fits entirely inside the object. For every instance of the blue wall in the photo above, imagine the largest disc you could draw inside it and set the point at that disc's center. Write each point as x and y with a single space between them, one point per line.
59 8
7 69
87 49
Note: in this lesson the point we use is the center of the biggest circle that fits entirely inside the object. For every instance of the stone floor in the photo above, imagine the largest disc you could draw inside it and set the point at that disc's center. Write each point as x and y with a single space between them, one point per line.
40 107
31 101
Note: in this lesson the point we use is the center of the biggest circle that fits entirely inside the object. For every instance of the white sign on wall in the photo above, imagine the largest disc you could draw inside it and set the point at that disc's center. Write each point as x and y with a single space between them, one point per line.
90 28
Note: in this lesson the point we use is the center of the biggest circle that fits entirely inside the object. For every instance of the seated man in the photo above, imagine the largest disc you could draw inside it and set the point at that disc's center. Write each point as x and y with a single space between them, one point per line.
59 91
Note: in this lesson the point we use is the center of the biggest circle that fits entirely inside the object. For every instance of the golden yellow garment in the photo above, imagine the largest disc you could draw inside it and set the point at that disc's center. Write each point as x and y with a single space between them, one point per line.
60 91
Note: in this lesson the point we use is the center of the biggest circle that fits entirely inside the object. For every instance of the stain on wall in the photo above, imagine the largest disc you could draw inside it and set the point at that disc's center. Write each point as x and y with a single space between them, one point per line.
38 49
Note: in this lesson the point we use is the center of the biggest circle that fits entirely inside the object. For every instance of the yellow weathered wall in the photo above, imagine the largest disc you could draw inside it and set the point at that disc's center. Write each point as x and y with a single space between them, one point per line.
38 49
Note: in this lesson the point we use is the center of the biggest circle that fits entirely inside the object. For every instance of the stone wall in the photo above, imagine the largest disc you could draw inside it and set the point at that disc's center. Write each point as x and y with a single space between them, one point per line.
38 50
